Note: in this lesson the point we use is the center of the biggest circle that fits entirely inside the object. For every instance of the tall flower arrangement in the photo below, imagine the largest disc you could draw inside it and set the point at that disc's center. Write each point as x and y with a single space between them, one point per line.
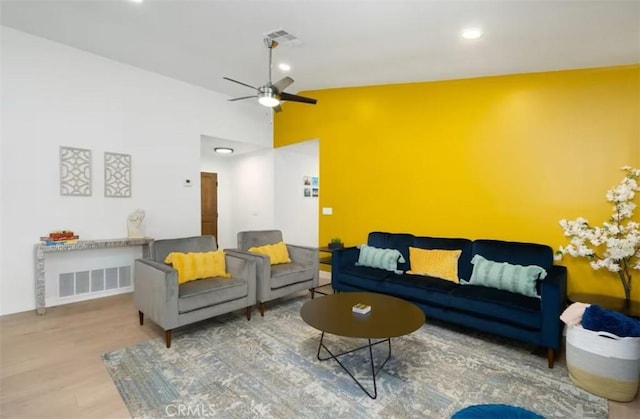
615 246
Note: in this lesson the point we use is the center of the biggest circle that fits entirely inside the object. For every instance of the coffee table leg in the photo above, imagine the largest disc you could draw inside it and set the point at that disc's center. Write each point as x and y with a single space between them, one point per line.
373 370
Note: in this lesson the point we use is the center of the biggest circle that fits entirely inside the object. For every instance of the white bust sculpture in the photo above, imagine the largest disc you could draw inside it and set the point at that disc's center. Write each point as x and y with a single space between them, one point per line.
133 224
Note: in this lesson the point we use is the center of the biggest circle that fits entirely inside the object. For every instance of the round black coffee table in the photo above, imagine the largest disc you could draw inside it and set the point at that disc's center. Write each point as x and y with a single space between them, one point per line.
389 317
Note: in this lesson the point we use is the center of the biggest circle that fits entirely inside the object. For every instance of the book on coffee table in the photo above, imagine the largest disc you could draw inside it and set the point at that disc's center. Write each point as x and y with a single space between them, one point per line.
361 308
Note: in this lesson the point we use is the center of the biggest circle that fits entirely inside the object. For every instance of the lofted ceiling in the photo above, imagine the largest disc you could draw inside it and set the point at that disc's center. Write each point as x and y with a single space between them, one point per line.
342 43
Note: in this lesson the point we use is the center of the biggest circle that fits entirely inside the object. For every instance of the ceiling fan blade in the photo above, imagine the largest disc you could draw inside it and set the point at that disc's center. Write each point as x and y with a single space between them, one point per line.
296 98
239 82
282 84
277 108
242 98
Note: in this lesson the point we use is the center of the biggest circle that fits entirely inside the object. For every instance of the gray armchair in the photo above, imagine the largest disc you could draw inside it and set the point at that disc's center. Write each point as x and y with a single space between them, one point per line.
169 304
275 281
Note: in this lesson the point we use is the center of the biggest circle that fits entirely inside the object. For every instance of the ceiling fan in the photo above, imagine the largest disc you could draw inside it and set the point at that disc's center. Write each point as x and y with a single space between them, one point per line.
272 94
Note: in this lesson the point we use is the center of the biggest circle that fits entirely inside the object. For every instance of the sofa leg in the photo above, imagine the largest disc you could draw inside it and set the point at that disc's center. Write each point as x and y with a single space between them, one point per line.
249 313
261 307
141 317
312 292
167 338
550 357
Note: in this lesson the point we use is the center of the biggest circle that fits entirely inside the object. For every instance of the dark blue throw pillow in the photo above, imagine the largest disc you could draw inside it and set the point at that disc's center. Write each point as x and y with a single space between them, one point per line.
598 319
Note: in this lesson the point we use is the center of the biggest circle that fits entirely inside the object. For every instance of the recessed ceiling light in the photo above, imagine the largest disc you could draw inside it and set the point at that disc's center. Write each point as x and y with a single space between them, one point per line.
284 67
471 33
136 1
223 150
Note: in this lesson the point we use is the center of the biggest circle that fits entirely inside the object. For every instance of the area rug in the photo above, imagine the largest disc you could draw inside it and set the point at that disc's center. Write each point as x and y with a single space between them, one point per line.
229 367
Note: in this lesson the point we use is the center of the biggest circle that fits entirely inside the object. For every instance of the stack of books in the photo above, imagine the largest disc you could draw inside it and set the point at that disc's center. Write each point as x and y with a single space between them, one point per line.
361 308
59 237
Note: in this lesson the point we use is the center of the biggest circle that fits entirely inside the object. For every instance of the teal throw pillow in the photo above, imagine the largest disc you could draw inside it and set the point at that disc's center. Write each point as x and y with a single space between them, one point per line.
505 276
374 257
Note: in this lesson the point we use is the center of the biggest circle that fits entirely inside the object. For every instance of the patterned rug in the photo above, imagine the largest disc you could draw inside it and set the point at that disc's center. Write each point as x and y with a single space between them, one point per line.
229 367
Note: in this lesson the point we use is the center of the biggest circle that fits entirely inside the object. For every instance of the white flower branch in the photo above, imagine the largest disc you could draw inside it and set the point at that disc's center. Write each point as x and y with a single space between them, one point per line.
616 245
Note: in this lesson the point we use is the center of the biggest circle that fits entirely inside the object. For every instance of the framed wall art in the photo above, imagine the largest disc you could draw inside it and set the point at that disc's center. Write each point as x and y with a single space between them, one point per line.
75 171
117 175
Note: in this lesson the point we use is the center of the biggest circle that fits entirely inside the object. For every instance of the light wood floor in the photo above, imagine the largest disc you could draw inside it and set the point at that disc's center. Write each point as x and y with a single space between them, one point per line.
50 366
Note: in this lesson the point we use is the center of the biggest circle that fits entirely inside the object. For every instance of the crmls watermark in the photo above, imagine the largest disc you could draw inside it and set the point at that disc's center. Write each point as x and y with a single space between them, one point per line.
183 410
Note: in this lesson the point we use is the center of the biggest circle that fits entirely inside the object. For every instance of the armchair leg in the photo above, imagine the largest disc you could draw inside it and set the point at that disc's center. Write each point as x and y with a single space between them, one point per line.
167 338
141 317
312 292
248 313
261 307
550 357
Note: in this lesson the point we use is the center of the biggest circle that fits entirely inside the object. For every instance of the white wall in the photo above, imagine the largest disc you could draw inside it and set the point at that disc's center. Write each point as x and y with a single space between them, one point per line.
264 190
54 95
253 192
296 215
245 193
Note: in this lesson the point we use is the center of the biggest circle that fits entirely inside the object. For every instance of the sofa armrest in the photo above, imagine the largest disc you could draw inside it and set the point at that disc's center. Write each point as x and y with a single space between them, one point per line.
156 292
340 259
552 301
308 257
262 267
303 255
243 267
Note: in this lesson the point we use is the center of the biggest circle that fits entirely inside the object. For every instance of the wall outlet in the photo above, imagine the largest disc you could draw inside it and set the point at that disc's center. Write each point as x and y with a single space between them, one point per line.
327 211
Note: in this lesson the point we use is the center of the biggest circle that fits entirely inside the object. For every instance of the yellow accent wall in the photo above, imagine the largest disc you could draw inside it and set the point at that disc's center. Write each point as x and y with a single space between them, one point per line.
496 157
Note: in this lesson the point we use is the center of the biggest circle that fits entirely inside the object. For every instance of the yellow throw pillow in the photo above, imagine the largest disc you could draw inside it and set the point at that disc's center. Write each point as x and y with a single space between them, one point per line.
438 263
277 253
192 265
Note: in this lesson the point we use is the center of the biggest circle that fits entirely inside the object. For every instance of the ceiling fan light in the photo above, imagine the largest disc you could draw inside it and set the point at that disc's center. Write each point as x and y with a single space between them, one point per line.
268 99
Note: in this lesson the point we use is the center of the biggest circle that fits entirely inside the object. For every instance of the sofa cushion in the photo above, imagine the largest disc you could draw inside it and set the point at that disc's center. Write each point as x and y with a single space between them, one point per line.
398 241
465 245
277 252
515 253
505 276
364 278
434 262
206 292
421 289
289 273
425 281
197 265
366 272
374 257
498 304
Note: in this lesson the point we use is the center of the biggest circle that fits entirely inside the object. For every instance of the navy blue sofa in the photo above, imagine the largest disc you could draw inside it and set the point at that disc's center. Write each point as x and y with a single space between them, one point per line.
527 319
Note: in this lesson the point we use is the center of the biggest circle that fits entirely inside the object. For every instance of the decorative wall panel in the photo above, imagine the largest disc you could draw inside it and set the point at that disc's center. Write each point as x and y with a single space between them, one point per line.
117 175
75 171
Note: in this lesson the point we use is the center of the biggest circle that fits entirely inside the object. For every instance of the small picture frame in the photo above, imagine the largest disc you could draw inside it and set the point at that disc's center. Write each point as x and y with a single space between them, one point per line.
315 192
307 192
306 180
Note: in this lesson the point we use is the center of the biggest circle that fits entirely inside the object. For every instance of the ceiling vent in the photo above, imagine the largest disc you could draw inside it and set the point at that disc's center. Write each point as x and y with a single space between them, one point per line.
283 37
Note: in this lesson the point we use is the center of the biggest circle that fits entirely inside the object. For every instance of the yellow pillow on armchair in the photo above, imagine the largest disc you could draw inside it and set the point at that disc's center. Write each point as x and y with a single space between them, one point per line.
198 265
277 252
435 262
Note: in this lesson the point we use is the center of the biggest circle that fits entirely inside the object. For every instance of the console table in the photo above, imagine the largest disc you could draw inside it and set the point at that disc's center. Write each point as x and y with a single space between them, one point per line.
610 303
40 250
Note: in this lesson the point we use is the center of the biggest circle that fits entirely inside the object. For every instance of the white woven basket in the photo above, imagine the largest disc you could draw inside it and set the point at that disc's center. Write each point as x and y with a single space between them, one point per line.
604 364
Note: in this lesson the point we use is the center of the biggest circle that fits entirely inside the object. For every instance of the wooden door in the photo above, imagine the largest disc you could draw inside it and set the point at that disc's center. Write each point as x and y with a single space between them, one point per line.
209 203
